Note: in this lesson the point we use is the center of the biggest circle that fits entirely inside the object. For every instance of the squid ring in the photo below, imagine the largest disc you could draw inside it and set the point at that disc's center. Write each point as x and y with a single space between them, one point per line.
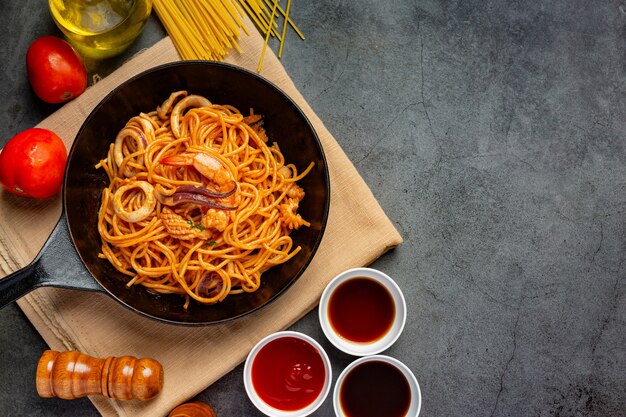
166 107
181 106
140 141
134 216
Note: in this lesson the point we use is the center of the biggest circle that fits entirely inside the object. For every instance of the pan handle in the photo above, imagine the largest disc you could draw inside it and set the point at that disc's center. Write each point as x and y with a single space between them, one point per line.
56 265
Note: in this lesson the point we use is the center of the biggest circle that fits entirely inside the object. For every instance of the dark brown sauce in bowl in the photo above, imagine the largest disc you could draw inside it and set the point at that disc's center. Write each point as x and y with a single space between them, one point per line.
375 389
361 310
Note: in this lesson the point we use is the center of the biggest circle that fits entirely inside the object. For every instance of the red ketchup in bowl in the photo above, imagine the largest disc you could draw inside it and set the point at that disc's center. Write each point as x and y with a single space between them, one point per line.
288 373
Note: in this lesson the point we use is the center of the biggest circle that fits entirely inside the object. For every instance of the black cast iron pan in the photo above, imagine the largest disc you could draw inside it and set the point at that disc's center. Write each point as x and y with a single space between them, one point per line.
70 256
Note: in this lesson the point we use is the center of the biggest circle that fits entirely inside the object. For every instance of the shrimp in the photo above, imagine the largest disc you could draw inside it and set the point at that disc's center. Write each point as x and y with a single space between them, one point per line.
294 191
141 213
289 217
215 219
255 121
209 166
181 106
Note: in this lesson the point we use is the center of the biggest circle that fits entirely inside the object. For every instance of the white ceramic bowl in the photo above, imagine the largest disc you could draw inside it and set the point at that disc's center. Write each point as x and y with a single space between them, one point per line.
262 405
377 346
416 395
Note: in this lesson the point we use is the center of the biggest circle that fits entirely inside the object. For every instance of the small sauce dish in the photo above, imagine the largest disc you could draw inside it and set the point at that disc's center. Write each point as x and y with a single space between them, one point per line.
362 311
376 386
287 374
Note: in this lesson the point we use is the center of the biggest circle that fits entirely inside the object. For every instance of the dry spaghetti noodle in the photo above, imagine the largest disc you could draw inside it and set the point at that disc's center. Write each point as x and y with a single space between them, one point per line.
198 203
207 29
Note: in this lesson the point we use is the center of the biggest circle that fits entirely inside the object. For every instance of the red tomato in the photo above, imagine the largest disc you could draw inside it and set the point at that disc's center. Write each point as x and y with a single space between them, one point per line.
55 70
32 163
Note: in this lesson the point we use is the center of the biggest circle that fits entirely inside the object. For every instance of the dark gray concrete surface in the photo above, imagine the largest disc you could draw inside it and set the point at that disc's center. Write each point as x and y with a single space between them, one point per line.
492 133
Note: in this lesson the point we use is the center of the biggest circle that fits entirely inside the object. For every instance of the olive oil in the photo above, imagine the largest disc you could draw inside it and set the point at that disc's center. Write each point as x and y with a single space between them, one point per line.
100 28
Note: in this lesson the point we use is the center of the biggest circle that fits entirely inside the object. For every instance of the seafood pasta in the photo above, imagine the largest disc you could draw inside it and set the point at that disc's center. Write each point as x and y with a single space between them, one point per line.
199 204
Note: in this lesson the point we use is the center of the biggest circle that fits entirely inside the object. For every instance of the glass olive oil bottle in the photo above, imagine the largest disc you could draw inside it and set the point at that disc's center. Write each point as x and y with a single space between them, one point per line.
100 28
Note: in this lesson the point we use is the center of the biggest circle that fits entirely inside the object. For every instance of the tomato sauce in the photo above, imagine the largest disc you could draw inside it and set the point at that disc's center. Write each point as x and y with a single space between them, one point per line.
375 389
361 310
288 373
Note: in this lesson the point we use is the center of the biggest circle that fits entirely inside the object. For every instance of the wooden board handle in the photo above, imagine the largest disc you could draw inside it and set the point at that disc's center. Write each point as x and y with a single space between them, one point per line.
72 374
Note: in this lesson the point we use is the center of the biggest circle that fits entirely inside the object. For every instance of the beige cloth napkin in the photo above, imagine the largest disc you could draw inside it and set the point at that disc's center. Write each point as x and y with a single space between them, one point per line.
357 233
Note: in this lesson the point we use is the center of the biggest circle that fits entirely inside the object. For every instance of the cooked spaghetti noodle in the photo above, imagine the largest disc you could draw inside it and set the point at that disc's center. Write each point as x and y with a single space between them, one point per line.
198 203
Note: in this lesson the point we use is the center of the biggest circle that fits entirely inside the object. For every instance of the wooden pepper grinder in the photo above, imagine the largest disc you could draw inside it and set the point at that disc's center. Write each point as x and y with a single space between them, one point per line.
70 375
193 409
